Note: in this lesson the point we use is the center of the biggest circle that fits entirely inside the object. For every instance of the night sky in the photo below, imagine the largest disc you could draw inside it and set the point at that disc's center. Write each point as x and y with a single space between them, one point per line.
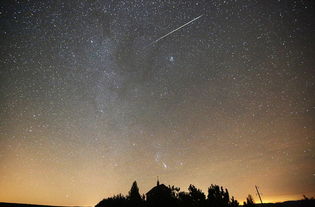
88 104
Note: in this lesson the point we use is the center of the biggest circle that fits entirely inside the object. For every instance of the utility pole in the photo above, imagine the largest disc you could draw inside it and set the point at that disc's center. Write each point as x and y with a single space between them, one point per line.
259 195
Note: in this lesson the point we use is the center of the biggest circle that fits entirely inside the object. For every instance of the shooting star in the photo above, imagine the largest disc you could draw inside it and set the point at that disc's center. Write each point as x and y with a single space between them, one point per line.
171 32
164 165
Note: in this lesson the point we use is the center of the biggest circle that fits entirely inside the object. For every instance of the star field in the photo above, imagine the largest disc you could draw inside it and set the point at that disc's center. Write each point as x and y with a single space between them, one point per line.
87 107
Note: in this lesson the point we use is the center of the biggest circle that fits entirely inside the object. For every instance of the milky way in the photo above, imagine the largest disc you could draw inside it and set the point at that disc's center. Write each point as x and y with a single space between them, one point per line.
86 108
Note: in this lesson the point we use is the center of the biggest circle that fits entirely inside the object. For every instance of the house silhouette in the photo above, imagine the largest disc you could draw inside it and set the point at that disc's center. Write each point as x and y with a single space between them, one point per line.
160 195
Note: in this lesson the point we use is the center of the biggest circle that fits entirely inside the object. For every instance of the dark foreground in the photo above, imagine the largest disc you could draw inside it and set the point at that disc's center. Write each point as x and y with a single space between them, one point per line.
298 203
171 196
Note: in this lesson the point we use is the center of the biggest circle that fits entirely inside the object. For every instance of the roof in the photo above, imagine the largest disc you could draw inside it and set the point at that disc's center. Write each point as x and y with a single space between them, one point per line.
158 189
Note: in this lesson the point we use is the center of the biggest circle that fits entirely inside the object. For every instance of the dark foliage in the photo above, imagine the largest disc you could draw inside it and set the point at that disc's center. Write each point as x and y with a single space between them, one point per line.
249 201
167 196
170 196
217 197
134 198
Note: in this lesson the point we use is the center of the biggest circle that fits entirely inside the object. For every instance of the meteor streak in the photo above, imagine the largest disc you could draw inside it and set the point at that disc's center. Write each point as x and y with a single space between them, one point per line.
155 41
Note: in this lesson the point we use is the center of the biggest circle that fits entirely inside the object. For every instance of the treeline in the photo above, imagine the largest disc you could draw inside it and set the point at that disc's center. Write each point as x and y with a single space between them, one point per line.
165 196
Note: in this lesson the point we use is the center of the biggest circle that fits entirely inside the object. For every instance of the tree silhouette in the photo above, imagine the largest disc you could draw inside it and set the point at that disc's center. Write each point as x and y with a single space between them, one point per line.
217 196
233 202
249 201
174 191
134 196
170 196
184 199
134 192
197 196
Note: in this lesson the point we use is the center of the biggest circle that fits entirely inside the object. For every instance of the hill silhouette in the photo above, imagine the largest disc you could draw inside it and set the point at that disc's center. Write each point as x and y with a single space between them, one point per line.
171 196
